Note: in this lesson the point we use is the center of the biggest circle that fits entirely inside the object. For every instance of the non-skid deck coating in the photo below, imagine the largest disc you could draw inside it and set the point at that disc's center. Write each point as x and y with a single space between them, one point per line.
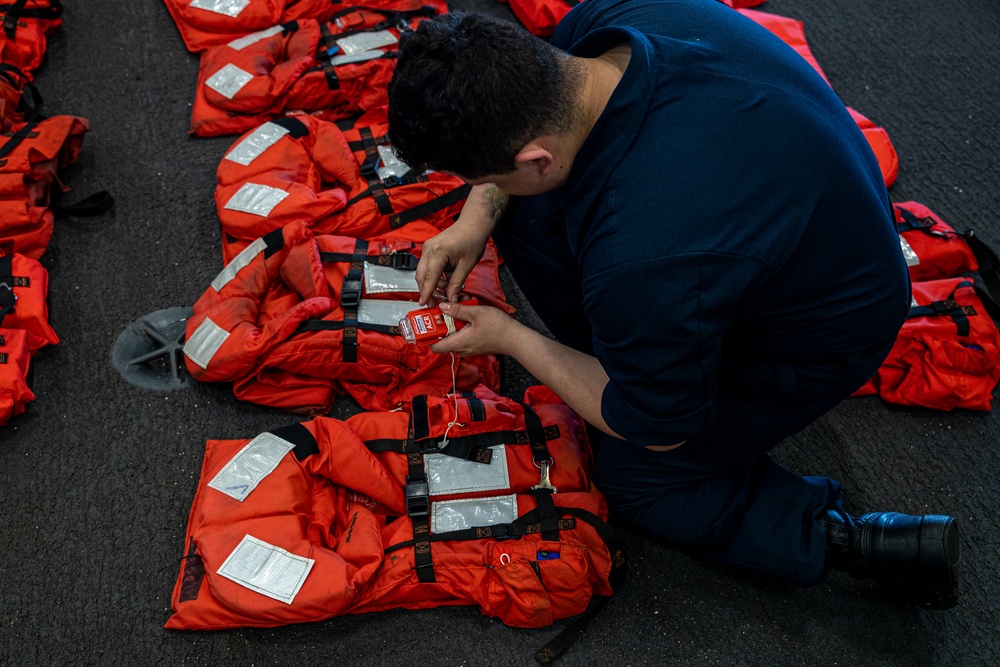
97 479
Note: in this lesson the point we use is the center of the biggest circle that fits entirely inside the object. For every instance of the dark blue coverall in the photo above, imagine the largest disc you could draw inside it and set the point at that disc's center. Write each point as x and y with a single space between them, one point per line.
725 247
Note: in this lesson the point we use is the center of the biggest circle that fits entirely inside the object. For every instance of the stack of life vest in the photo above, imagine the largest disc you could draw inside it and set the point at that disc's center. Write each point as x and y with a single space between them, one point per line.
346 182
31 154
340 67
469 499
296 319
33 150
947 354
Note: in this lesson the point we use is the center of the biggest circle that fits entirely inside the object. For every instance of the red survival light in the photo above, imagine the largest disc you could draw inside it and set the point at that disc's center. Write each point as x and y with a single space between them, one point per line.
429 325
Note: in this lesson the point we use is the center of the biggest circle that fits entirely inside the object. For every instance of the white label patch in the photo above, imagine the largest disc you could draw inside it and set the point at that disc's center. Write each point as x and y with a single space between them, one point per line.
448 474
366 41
225 7
241 260
385 280
267 569
254 37
205 342
452 515
911 257
255 143
384 312
252 464
256 199
229 80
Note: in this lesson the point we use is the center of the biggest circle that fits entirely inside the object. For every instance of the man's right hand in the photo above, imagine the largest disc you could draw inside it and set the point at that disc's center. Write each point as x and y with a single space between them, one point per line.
447 259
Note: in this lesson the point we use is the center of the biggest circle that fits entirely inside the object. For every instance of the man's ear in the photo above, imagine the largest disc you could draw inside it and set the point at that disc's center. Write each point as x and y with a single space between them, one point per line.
535 156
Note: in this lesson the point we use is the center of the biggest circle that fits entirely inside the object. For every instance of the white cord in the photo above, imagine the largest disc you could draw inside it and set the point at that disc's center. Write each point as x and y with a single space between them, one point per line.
454 393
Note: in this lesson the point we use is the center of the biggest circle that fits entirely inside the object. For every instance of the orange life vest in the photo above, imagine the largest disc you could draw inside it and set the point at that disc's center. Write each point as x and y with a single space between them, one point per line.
15 360
932 248
341 66
389 510
295 319
947 354
304 168
24 284
207 23
31 156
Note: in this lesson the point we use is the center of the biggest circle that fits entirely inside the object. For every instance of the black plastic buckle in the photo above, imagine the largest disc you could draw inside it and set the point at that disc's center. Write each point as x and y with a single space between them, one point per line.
418 502
350 295
369 168
405 260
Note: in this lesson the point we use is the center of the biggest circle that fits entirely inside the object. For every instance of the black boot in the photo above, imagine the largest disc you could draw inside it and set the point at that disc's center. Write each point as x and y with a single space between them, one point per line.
913 556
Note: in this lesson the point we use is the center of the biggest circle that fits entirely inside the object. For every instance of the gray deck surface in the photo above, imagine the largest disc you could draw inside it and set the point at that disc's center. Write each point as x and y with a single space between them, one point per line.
97 478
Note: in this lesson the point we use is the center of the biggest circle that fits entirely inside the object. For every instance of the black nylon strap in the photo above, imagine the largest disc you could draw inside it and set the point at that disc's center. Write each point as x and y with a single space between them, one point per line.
298 435
616 578
474 447
947 307
991 306
477 409
536 434
296 128
273 242
911 222
359 145
405 261
417 491
350 299
13 12
16 11
432 206
338 325
989 265
88 207
15 139
7 296
498 531
546 511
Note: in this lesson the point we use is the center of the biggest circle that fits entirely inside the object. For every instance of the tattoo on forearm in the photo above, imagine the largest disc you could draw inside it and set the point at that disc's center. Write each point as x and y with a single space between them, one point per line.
497 199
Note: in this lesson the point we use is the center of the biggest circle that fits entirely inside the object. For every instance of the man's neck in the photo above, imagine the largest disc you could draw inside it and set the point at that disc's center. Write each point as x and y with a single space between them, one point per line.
601 76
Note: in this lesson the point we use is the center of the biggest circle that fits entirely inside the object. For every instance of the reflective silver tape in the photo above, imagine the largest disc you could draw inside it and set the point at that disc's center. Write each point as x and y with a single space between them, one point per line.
355 58
385 312
254 37
252 464
267 569
229 80
472 513
256 199
366 41
385 279
205 342
911 257
255 143
391 165
448 474
245 257
225 7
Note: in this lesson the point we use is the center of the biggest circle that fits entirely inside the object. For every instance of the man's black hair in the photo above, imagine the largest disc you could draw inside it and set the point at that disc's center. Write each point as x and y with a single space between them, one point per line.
470 90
